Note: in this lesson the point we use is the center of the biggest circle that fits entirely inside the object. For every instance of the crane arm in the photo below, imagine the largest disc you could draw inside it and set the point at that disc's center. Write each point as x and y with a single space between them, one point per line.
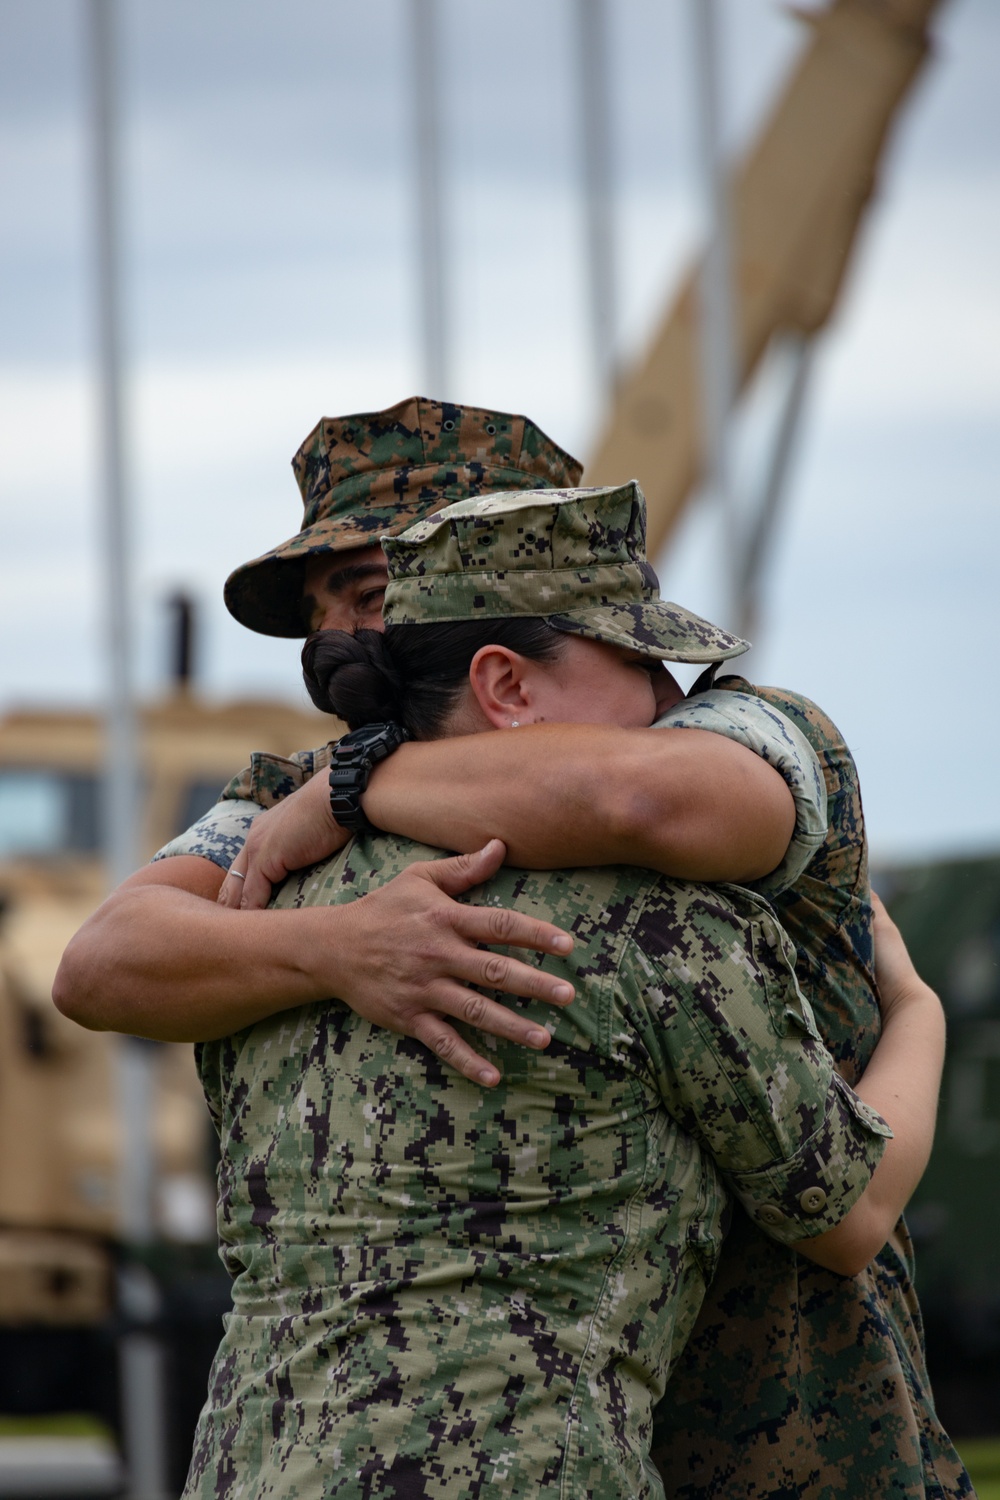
797 198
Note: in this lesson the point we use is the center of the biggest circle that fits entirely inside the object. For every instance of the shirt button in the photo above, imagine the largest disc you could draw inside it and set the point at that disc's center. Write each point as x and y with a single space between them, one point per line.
812 1200
771 1215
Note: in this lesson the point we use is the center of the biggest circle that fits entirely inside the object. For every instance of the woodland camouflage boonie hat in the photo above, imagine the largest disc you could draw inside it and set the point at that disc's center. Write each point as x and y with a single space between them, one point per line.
377 472
574 556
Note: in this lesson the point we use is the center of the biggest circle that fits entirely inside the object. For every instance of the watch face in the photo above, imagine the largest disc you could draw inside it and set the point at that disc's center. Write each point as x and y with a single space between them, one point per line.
391 735
386 737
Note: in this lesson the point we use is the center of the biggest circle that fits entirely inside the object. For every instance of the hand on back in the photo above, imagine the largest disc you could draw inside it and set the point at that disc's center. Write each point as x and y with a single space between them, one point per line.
415 950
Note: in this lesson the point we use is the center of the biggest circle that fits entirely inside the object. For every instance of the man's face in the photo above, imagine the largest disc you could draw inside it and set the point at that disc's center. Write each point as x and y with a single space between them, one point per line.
345 590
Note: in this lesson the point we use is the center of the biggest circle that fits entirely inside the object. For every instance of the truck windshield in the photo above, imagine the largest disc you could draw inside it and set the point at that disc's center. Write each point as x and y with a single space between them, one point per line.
46 812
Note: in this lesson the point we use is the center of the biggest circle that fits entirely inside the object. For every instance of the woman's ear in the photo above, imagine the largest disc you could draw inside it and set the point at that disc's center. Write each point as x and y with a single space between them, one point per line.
497 680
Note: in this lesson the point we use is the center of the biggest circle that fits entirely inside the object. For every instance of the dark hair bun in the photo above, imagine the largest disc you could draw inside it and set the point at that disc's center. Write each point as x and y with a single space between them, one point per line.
352 676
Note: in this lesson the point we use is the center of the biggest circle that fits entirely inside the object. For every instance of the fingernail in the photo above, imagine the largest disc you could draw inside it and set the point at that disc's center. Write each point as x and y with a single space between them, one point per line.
562 944
487 1075
538 1038
562 992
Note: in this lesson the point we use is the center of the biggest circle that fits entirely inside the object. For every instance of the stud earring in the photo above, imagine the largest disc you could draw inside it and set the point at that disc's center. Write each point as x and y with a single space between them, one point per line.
515 723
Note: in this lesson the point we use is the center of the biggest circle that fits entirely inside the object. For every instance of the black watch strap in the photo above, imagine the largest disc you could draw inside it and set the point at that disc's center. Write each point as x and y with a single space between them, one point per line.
354 759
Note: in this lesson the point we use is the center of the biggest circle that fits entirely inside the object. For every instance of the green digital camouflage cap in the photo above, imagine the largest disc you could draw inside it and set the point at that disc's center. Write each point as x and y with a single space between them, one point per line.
378 471
575 556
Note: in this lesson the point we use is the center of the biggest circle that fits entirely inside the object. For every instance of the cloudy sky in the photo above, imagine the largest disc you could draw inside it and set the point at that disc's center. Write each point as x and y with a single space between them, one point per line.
271 278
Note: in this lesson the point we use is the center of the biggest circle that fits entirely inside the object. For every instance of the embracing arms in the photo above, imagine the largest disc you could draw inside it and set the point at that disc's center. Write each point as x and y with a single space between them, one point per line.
163 960
901 1083
696 805
818 1166
160 959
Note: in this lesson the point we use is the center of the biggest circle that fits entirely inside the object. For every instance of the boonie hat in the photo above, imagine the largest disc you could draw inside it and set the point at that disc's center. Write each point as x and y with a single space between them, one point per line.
378 471
574 556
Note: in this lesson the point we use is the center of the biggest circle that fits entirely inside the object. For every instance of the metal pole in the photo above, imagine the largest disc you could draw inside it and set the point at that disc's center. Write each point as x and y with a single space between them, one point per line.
141 1353
121 792
595 116
430 206
718 374
142 1371
801 351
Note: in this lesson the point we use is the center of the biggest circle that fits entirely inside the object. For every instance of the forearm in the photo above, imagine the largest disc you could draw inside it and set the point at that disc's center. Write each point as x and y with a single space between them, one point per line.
901 1083
159 962
686 803
161 959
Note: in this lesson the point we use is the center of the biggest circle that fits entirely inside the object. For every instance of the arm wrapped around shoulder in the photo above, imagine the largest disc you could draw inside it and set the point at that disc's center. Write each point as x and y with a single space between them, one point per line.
741 1067
812 1191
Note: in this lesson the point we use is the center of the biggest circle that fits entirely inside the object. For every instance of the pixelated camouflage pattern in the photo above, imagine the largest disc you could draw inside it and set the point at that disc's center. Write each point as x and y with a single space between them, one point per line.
374 472
218 835
445 1291
270 778
798 1382
574 556
746 719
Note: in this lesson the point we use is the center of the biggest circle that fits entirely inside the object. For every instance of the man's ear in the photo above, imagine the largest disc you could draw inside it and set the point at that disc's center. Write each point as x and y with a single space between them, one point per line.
497 678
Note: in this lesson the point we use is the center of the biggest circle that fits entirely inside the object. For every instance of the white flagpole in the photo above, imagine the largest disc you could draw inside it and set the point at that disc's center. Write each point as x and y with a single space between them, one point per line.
143 1394
424 26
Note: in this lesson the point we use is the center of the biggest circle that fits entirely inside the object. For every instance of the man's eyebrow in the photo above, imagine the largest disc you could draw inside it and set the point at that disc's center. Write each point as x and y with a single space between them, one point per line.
341 579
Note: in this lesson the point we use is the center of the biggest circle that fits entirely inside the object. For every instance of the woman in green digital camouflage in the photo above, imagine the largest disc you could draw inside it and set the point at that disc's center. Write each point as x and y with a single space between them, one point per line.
447 1291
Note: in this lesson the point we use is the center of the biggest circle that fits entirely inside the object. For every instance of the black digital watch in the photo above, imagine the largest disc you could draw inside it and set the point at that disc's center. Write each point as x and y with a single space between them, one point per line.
354 759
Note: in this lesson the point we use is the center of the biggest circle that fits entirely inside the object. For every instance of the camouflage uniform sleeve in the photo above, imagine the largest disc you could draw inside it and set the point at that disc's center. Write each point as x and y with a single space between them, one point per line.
740 1064
766 731
269 778
220 833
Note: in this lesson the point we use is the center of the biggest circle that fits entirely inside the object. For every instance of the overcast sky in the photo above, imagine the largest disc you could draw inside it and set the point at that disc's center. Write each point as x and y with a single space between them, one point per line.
270 278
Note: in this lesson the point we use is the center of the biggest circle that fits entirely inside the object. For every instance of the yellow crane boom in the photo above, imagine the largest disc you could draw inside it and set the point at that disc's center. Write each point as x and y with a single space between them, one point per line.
797 201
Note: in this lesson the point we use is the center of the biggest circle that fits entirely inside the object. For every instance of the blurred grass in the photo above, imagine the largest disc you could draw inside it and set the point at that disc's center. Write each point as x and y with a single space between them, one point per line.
982 1459
61 1424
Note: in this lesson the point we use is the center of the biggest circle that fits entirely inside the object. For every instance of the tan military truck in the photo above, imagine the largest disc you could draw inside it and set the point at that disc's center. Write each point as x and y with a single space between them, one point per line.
60 1116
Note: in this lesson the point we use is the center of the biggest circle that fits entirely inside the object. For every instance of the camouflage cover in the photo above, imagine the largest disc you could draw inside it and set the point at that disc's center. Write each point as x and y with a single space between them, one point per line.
797 1381
575 556
449 1292
373 472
